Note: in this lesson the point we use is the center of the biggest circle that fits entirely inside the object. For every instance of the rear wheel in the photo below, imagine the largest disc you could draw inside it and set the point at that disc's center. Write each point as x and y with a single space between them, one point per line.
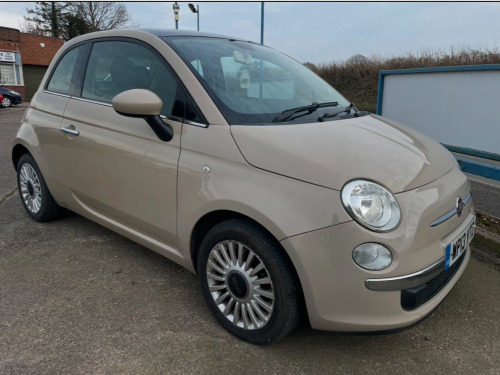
248 282
34 193
6 102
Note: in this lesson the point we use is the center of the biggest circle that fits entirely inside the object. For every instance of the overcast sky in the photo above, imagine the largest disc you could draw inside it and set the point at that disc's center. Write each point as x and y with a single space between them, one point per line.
322 32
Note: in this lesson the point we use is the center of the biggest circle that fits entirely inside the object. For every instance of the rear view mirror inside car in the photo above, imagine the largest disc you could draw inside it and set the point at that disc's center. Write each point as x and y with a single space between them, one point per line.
242 57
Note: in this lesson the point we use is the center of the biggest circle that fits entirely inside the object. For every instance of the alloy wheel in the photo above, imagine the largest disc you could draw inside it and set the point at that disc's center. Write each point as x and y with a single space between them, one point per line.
6 102
31 190
240 285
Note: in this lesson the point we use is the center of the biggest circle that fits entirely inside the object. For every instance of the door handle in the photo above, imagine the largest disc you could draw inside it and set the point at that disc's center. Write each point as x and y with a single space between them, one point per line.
70 131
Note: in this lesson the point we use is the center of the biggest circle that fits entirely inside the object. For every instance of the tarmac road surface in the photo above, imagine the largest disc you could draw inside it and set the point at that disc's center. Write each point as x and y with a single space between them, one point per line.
76 298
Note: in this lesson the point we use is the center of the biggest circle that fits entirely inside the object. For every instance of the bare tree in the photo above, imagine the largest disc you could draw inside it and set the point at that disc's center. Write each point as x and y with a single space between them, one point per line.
101 15
29 27
67 20
310 65
357 60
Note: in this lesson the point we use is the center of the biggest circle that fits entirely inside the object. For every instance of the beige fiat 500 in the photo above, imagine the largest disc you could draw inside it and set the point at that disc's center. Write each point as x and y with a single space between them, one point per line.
243 166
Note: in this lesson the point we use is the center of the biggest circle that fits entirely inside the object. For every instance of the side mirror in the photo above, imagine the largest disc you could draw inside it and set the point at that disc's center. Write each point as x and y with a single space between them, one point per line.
143 104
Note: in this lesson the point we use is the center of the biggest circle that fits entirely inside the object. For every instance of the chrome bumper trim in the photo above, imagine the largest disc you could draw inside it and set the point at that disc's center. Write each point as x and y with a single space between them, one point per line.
407 281
451 213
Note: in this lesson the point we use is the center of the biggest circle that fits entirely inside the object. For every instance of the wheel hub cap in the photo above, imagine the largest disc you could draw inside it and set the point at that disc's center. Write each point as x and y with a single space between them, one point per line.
31 189
237 285
240 285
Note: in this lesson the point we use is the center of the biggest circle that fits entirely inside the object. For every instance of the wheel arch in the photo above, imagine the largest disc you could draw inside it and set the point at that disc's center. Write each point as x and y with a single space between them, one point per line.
211 219
18 151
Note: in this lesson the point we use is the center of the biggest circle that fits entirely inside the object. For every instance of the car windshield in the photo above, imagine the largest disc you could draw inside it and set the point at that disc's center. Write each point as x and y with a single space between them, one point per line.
253 84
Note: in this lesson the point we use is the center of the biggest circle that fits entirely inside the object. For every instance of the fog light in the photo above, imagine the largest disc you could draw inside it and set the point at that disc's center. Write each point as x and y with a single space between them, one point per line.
372 256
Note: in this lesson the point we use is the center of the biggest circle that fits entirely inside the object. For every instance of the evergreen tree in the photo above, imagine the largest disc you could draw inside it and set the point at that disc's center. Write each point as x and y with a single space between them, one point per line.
74 26
47 18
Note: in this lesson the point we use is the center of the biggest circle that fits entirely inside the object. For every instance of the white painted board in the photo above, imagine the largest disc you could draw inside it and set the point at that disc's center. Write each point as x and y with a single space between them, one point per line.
459 108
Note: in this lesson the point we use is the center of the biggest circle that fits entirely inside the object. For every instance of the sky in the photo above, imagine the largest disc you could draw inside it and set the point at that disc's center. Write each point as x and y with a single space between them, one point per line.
321 32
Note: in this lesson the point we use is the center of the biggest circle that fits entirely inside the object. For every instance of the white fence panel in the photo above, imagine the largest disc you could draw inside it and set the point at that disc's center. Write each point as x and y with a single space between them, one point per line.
457 106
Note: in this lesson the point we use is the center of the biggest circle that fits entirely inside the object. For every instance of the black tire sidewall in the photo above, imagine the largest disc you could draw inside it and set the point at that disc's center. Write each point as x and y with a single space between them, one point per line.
286 309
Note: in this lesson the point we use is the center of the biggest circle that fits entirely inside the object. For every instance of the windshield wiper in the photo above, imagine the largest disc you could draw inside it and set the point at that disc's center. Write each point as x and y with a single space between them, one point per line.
285 115
330 115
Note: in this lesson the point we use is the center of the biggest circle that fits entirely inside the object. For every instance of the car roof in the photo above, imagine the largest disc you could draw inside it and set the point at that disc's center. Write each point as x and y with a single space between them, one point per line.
170 32
136 32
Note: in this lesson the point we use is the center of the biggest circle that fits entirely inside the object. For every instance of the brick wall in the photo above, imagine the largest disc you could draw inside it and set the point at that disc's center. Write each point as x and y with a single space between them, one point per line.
8 34
9 39
29 46
32 53
9 46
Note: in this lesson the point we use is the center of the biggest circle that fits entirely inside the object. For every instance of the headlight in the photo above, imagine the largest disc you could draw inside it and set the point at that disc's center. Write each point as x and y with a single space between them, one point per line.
371 205
14 92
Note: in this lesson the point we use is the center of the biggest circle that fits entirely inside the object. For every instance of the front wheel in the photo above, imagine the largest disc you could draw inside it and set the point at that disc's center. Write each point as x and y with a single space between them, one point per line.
34 193
248 282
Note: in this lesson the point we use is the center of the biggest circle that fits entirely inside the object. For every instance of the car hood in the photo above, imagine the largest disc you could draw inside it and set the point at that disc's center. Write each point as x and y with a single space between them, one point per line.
333 152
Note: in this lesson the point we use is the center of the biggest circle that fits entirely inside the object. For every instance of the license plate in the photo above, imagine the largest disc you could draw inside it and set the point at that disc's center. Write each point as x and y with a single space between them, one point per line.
458 246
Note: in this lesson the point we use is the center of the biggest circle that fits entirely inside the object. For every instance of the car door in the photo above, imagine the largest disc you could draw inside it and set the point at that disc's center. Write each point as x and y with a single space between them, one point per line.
47 109
115 167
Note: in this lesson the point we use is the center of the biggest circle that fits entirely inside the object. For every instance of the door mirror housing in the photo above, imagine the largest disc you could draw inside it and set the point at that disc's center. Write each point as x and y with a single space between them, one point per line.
143 104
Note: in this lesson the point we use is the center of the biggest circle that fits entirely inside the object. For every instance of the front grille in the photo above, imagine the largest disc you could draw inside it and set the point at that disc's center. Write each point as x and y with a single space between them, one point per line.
414 297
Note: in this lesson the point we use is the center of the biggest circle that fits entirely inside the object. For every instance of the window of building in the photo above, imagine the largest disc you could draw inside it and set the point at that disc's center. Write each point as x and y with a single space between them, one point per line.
10 70
7 74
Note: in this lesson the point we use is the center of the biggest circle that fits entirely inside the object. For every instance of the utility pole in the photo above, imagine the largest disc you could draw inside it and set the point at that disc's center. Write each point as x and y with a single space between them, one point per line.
262 22
261 42
176 15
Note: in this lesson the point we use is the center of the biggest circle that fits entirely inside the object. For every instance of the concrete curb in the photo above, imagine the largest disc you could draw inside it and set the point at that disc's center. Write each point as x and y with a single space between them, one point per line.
487 239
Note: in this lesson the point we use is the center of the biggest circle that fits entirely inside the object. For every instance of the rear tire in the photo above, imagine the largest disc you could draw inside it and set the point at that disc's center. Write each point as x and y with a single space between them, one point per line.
7 101
248 282
33 191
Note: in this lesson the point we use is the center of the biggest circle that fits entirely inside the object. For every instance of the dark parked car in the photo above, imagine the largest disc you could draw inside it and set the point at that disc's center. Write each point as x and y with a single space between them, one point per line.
9 97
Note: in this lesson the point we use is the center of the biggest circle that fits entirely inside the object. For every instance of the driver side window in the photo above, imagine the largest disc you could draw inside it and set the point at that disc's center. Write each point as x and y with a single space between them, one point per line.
116 66
64 78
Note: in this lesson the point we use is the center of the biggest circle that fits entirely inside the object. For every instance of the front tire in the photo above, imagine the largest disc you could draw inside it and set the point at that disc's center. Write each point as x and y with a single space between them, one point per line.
248 282
33 191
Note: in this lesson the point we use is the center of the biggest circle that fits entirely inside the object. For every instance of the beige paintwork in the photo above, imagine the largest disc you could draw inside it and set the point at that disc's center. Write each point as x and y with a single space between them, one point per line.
137 102
287 178
324 260
331 153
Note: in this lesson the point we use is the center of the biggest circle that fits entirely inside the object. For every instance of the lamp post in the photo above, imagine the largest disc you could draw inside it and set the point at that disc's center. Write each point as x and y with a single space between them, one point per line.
261 42
197 11
176 15
262 22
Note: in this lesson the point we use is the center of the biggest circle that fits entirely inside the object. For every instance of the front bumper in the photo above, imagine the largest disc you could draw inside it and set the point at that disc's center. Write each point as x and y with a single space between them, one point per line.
335 288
